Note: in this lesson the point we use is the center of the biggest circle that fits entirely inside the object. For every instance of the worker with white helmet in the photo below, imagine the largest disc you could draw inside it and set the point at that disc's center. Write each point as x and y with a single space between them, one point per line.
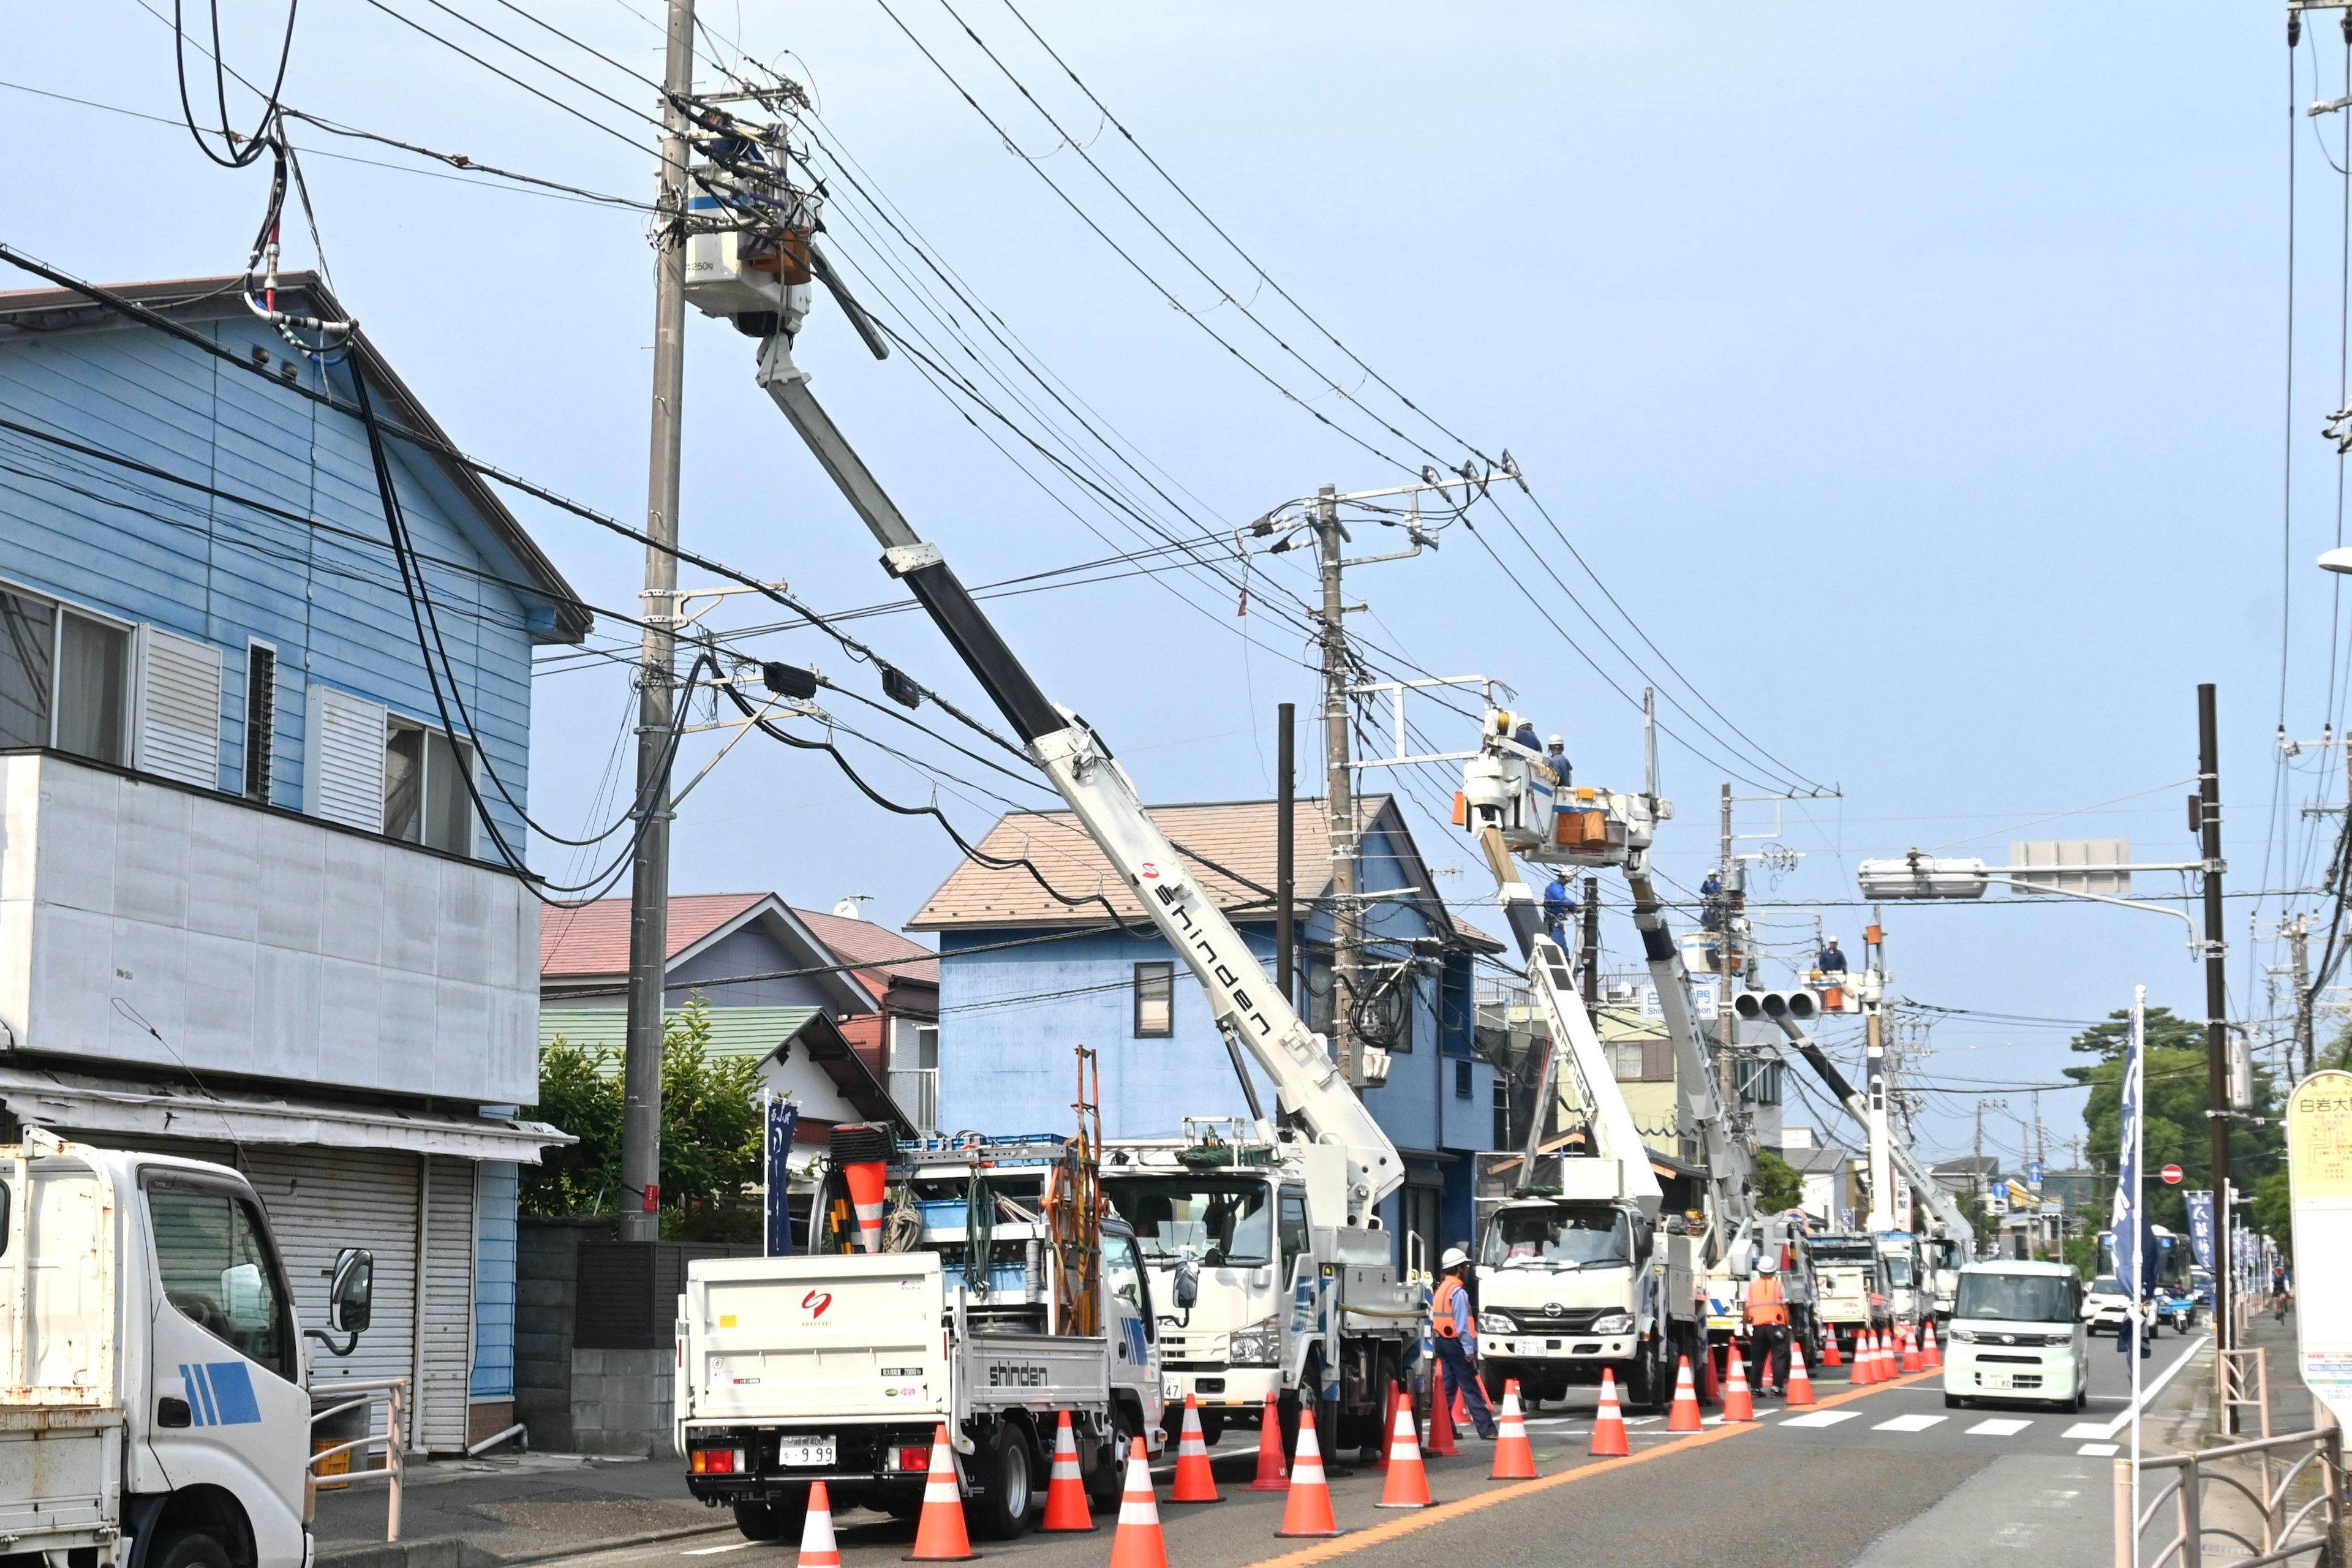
1454 1328
1558 757
1832 960
1767 1322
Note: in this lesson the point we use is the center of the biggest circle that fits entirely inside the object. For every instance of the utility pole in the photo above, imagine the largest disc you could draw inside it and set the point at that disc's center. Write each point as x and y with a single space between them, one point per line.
1285 854
2217 984
1882 1164
1726 1013
1339 792
1590 957
641 1062
2297 932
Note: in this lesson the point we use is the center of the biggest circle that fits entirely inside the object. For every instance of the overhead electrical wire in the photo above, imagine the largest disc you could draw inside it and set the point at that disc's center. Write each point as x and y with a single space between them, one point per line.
241 151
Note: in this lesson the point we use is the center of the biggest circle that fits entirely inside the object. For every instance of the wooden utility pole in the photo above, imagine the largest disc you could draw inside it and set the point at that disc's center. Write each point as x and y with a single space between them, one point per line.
641 1062
2297 932
1339 788
1589 961
1285 852
2217 987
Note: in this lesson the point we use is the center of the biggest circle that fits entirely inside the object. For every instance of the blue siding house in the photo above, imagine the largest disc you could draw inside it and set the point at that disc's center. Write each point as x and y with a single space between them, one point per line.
1012 1015
250 909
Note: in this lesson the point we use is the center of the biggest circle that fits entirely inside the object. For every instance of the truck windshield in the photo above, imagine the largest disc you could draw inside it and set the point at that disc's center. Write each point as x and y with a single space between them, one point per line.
1535 1238
1213 1222
1898 1271
1841 1252
2016 1298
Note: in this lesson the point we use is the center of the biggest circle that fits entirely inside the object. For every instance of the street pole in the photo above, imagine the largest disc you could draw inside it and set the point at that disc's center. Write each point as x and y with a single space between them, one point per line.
2216 984
1339 790
641 1062
1726 1012
1286 857
2298 936
1589 959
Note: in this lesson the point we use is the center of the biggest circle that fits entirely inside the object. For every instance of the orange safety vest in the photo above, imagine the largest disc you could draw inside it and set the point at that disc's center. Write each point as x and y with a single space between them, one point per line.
1766 1304
1441 1308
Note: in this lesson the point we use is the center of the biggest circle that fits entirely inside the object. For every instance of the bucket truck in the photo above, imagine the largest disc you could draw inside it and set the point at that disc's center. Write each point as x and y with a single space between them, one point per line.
1578 1270
1322 1310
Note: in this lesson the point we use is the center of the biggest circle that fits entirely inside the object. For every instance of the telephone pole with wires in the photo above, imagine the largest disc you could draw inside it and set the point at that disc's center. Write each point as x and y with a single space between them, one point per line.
641 1067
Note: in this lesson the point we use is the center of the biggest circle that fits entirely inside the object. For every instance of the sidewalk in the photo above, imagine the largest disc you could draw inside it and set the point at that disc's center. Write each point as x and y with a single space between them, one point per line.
496 1512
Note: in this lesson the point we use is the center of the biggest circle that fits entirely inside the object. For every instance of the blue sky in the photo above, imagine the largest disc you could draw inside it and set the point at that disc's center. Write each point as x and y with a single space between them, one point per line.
1916 381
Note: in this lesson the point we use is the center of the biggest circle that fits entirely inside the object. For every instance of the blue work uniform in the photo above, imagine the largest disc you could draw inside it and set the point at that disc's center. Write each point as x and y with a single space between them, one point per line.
1455 1333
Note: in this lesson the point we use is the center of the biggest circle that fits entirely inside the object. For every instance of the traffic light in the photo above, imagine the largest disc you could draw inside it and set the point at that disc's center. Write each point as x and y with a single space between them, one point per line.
1797 1004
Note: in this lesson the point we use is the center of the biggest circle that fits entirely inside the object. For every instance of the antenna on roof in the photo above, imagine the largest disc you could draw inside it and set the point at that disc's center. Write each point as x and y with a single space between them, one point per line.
849 908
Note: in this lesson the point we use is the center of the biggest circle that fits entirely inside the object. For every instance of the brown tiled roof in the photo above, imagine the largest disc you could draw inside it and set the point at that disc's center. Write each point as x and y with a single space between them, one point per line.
858 940
593 939
1229 847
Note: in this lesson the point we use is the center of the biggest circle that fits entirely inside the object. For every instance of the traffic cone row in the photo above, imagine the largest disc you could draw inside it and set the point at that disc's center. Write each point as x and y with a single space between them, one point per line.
1609 1439
1515 1457
1137 1544
1273 1473
1066 1488
1929 1356
939 1535
1800 1392
1195 1480
1408 1481
1739 1403
1683 1415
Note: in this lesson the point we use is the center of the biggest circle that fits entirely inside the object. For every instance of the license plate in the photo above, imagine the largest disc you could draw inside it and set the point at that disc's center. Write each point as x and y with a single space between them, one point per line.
807 1451
1172 1391
1996 1380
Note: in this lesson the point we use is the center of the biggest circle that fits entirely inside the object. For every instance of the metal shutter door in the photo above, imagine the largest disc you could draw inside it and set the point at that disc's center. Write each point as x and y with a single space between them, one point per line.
342 759
177 728
449 1357
322 1199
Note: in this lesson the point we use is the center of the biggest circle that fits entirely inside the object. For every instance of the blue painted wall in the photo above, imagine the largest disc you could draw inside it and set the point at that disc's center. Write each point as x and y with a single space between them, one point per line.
143 550
495 1188
751 951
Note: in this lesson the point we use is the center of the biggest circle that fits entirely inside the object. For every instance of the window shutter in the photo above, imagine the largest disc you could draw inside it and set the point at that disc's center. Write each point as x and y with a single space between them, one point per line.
178 724
342 759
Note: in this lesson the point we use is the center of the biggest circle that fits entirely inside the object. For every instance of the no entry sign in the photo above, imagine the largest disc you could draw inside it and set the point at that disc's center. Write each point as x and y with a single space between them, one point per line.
2171 1175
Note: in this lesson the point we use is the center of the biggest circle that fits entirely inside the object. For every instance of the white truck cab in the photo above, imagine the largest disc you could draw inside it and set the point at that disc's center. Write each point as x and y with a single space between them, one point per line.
153 1403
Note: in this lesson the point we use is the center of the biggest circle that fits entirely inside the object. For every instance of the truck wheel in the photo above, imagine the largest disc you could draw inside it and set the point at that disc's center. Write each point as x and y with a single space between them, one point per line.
779 1521
1650 1386
1005 1510
1109 1478
194 1549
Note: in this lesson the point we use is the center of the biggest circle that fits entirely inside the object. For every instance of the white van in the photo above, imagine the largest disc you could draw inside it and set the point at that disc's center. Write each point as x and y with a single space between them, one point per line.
2017 1336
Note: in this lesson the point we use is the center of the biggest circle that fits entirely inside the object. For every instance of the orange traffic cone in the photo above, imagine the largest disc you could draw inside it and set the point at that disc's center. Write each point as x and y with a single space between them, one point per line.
1830 1356
1515 1458
1273 1474
1608 1426
1866 1363
1931 1358
1881 1358
1440 1422
1065 1488
1911 1362
1461 1410
1683 1416
817 1547
940 1536
1309 1510
1408 1482
1800 1392
1194 1483
1137 1544
1738 1403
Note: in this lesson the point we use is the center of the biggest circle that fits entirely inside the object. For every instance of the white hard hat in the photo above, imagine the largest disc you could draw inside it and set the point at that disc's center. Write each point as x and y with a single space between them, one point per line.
1833 941
1768 1264
1453 1258
1558 741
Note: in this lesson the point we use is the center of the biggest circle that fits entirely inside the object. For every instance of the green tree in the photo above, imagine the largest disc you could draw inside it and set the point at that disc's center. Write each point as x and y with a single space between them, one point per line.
712 1135
1780 1186
2174 1101
2272 1215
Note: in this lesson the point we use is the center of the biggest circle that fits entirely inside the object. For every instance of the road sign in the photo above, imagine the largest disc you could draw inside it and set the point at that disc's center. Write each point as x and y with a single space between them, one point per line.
2171 1175
2320 1191
2033 1174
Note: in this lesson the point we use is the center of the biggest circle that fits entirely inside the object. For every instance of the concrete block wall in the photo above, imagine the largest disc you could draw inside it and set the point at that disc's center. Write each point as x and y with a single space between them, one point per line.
546 1300
621 1402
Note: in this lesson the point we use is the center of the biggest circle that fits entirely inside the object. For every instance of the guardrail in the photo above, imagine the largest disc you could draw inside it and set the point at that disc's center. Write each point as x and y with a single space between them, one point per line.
2285 1532
389 1393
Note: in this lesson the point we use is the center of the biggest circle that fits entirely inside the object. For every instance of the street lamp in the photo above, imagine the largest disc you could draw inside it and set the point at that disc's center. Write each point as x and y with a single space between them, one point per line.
2337 560
1915 877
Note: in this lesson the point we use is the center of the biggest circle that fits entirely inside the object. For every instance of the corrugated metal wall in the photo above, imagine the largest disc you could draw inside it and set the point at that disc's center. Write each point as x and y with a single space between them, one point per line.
447 1361
320 1200
496 1187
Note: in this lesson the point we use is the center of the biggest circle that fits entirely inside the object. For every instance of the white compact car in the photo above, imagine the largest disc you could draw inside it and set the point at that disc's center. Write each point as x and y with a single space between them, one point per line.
2105 1307
2018 1336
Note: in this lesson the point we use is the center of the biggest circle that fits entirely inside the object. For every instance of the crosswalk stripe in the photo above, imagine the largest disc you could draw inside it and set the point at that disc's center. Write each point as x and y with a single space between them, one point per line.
2100 1450
2087 1429
1822 1418
1998 1427
1910 1424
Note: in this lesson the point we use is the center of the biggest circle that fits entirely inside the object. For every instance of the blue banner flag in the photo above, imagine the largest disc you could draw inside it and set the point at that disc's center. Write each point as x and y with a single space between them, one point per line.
2127 1221
783 1120
2200 1227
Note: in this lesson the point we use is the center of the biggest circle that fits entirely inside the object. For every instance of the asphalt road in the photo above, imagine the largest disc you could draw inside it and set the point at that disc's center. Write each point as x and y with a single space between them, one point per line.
1876 1477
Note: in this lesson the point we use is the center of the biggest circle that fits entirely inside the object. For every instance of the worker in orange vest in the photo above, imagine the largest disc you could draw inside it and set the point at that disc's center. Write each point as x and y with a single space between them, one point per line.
1767 1323
1454 1328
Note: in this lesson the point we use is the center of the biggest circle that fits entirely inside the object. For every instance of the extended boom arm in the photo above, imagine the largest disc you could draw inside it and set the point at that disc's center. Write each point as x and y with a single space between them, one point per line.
1250 1008
1931 1192
1702 1106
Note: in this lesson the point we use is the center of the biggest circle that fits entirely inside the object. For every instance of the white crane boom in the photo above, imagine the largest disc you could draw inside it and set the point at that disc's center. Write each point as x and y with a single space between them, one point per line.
1250 1008
1728 1164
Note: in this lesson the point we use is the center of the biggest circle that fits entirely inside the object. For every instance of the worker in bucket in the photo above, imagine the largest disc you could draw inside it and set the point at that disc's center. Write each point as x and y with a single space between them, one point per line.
1558 908
1767 1323
1454 1328
1556 754
1710 901
1831 959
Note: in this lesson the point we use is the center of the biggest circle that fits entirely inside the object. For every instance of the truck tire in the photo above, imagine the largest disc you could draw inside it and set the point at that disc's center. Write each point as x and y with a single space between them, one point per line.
1006 1507
1650 1386
196 1549
778 1520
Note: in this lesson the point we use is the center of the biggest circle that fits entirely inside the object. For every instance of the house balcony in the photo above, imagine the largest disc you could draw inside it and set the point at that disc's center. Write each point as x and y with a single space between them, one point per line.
146 923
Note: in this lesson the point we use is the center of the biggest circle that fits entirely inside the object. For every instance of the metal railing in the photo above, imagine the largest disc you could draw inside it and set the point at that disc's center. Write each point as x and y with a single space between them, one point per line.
915 1091
389 1391
2285 1532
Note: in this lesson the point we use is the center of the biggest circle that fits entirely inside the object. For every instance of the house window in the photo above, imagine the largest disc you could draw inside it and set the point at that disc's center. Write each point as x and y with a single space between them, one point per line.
1155 1001
914 1045
1462 1079
425 795
260 719
65 679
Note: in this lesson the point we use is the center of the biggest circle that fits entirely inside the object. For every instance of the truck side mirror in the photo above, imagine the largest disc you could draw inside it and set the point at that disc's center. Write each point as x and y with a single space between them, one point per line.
350 1297
1187 1285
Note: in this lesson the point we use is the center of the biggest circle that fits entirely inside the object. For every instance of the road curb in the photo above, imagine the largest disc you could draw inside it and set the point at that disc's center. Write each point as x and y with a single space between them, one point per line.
454 1552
